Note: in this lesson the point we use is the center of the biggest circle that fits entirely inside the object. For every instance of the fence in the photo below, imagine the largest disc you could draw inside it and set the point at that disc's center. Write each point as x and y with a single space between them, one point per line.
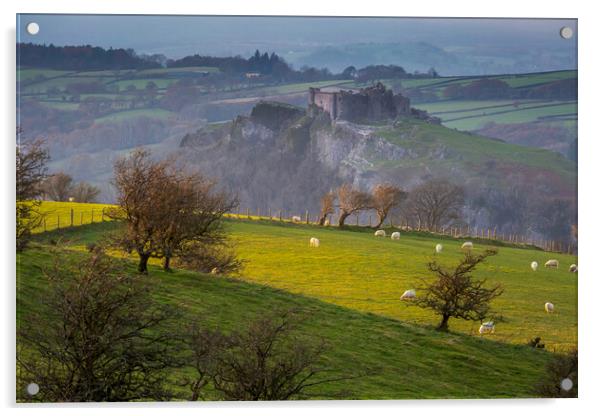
74 218
454 232
71 218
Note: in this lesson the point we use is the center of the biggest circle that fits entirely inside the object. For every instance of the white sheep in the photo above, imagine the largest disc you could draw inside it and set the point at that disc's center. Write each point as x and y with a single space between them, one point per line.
467 246
71 199
534 266
549 307
296 218
380 233
314 242
553 263
438 248
395 236
215 270
573 268
408 295
487 328
326 222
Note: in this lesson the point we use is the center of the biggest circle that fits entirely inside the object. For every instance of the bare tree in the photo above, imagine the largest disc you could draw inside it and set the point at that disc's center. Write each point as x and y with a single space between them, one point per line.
58 187
141 185
327 205
84 192
386 197
435 203
96 337
31 171
205 347
195 221
455 293
167 211
351 201
270 361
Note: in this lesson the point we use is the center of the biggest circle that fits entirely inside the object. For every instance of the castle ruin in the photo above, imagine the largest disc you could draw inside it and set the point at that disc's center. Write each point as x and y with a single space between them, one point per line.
367 104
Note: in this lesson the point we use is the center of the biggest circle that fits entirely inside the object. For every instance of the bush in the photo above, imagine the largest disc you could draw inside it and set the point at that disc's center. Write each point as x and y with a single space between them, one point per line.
97 337
560 368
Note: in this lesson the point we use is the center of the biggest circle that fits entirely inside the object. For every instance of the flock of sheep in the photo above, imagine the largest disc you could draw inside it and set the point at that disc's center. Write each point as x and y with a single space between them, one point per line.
410 294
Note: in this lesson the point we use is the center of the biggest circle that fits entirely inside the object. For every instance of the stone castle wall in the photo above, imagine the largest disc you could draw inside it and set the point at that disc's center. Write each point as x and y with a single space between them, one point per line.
369 104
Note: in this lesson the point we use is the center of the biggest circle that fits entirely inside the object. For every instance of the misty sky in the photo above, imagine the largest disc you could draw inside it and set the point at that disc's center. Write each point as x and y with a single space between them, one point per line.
510 45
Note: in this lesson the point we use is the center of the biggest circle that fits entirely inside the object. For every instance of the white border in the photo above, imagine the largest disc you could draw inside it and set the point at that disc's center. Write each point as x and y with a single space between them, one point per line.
589 174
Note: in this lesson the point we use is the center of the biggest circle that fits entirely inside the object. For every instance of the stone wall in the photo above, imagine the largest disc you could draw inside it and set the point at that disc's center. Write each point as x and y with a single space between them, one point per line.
369 104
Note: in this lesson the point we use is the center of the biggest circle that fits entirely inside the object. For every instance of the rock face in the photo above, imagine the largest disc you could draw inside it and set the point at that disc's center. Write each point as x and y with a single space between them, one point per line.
280 157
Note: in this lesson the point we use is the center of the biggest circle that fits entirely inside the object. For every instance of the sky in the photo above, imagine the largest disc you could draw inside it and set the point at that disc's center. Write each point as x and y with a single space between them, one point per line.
511 45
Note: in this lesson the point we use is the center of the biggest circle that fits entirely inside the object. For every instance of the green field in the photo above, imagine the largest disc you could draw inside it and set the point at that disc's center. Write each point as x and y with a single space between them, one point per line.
361 272
350 285
58 214
156 113
471 149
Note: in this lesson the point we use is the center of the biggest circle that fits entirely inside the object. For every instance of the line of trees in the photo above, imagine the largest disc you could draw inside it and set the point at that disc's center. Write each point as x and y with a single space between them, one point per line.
80 58
60 187
433 204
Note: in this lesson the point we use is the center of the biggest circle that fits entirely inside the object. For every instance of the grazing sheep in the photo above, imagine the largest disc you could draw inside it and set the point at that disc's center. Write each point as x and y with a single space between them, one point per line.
438 248
573 268
71 199
408 295
326 222
314 242
380 233
467 246
487 328
296 218
553 263
395 236
549 307
534 266
406 228
214 270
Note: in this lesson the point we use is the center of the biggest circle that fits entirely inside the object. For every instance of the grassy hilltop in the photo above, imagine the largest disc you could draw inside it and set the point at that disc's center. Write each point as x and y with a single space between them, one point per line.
351 285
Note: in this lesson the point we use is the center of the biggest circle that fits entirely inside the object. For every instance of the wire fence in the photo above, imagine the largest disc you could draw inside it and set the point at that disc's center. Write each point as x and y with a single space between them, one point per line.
73 218
460 232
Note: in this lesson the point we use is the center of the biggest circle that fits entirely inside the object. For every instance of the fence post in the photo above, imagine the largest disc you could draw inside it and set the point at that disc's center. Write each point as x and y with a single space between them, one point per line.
280 215
44 224
102 215
306 217
370 220
248 214
58 221
81 218
270 213
71 217
92 222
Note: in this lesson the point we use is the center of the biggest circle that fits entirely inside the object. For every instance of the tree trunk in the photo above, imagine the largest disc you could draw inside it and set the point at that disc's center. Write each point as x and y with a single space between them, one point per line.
142 265
342 218
443 326
381 219
323 219
166 263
